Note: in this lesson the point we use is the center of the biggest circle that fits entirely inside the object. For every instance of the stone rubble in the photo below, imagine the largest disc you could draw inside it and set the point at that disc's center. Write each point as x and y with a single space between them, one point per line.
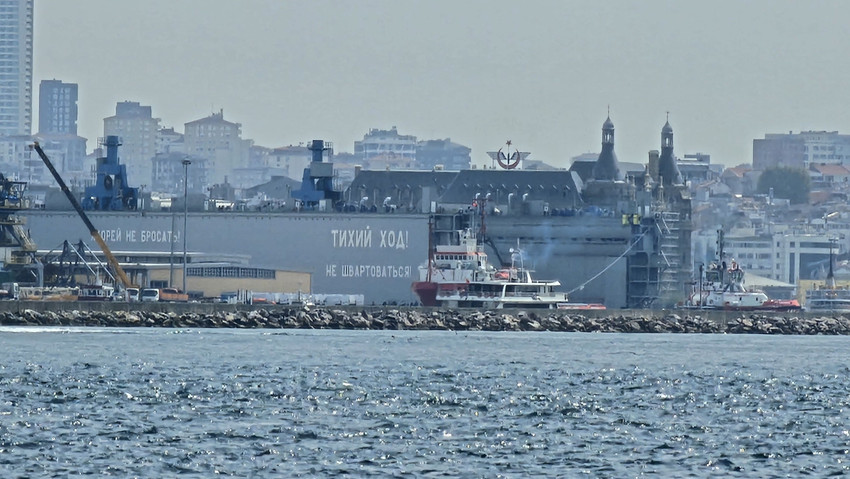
443 319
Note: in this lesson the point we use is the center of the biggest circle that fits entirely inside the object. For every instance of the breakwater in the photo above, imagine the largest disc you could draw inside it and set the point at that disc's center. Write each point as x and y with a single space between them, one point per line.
394 318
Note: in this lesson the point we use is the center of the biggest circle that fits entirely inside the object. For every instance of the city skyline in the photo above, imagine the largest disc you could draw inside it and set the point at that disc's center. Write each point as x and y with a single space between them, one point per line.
542 74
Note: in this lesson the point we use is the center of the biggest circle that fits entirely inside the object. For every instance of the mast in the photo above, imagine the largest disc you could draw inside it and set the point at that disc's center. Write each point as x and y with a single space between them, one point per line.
430 247
830 277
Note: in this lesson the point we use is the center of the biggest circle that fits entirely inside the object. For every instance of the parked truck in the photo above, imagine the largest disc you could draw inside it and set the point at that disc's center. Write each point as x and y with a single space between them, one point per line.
172 295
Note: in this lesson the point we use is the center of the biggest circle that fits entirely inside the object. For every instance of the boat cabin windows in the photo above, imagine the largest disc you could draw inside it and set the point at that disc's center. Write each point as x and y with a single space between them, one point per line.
454 257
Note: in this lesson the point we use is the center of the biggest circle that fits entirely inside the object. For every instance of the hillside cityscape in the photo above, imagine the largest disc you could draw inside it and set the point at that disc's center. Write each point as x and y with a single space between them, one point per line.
779 234
768 234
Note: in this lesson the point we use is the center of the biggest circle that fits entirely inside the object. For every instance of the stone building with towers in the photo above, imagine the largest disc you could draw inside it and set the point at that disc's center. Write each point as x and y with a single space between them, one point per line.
656 206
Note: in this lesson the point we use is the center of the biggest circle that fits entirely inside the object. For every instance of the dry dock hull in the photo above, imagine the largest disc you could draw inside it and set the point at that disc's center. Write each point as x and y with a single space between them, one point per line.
376 255
373 255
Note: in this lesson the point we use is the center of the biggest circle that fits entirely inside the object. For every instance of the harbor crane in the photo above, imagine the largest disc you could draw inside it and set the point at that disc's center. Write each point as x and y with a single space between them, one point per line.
113 262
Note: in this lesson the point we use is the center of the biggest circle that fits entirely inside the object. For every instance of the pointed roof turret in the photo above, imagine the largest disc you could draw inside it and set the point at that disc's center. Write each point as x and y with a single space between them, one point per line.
607 167
668 170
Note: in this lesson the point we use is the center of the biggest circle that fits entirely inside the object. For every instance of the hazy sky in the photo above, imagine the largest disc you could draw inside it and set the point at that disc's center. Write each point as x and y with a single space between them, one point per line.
540 73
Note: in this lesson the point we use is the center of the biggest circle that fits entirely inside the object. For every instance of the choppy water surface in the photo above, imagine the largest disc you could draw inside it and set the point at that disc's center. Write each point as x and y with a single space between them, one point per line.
157 403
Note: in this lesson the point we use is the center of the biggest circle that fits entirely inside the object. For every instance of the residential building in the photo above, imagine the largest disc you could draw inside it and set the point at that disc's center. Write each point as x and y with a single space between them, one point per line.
697 168
432 154
290 160
754 253
168 174
799 150
169 141
391 161
135 125
387 146
57 107
16 41
57 129
67 153
220 142
740 179
829 176
17 160
258 170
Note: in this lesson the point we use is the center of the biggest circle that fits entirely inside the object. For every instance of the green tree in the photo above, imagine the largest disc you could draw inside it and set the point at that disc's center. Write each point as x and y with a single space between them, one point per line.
793 184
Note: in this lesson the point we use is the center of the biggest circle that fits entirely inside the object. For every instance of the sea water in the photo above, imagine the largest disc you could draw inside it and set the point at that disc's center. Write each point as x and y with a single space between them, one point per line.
260 403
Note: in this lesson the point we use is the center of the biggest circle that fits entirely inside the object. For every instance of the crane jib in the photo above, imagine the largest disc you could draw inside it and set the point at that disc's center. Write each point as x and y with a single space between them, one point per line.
119 271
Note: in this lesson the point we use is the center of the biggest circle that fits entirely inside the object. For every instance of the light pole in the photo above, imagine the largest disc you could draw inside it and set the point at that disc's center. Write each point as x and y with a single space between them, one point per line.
186 164
172 240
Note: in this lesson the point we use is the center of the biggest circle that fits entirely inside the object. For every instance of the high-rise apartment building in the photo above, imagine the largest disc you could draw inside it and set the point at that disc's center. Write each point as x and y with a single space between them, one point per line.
137 128
57 131
16 23
57 107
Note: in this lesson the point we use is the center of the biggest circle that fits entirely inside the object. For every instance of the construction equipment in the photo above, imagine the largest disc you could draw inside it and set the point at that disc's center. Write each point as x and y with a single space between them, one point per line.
113 262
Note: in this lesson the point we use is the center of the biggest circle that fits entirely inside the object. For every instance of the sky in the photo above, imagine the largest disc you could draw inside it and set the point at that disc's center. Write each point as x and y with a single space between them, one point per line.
540 73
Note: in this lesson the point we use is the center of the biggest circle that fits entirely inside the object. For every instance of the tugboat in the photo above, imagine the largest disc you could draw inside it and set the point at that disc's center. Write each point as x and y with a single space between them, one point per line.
460 276
723 288
828 297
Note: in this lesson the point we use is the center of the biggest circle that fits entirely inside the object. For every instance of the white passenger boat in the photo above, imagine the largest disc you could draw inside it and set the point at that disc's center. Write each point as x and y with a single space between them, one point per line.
460 276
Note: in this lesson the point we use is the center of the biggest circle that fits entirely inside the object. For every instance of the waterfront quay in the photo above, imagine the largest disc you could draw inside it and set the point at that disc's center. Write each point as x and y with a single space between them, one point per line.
213 315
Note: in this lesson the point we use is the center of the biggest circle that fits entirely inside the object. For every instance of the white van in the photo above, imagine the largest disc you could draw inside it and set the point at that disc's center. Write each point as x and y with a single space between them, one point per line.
150 295
133 295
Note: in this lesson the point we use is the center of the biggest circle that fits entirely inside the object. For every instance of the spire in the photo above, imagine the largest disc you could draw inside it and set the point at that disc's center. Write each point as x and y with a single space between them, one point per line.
607 167
667 167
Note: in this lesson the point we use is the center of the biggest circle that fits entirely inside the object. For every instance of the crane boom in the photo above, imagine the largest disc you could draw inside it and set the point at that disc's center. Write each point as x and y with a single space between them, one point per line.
113 262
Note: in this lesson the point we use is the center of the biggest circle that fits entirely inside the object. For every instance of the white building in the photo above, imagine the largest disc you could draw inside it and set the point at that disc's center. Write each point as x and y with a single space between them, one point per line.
219 142
788 256
291 160
386 145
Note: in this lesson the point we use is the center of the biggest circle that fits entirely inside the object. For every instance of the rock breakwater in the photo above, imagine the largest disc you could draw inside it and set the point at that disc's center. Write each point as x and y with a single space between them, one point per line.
451 320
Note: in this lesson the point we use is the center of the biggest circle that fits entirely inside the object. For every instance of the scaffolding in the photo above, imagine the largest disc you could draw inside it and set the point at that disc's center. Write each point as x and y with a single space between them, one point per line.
658 269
